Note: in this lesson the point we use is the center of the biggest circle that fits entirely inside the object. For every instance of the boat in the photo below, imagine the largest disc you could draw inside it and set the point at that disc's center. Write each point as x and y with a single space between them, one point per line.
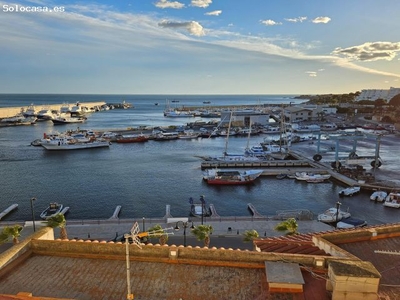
67 120
69 143
350 191
305 176
333 214
137 138
378 196
392 200
351 223
231 177
166 136
281 176
188 134
53 209
199 209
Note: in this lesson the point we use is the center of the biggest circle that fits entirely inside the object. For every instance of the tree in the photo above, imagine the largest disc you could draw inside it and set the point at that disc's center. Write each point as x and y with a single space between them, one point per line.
289 225
202 233
58 221
250 235
13 232
158 232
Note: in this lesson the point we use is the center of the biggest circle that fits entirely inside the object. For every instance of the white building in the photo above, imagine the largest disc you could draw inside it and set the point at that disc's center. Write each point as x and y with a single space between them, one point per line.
378 94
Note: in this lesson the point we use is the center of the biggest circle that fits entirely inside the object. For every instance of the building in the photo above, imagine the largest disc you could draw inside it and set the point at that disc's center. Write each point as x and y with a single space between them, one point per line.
244 117
375 94
361 263
307 112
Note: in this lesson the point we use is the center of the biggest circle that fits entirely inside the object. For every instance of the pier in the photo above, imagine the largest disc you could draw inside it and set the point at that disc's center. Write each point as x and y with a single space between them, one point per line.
8 210
116 212
7 112
254 212
213 212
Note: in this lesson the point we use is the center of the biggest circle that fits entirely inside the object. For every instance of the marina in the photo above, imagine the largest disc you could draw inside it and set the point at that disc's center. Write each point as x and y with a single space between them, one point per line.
142 178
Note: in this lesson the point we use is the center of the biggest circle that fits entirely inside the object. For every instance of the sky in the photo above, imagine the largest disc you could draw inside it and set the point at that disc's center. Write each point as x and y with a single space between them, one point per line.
199 46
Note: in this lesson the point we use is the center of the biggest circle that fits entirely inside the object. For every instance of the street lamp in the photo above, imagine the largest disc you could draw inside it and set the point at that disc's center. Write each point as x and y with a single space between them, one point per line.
143 229
203 202
337 212
185 225
33 213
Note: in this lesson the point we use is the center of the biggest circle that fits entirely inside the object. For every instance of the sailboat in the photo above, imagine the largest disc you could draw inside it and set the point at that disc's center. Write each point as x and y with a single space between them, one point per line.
284 141
232 157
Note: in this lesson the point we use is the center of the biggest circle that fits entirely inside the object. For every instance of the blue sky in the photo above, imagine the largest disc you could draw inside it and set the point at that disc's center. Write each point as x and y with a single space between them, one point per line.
199 46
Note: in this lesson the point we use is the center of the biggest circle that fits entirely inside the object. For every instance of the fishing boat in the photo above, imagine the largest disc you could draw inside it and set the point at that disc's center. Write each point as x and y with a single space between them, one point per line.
67 120
351 223
137 138
231 177
350 191
311 177
392 200
53 209
332 215
378 196
68 143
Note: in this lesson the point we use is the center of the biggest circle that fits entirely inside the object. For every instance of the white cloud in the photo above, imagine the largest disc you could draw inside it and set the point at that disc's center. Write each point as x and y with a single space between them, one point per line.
269 22
295 20
169 4
201 3
370 51
321 20
214 13
193 27
311 73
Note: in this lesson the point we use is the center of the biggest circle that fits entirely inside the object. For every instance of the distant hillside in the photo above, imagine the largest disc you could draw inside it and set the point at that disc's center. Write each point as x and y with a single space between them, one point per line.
332 99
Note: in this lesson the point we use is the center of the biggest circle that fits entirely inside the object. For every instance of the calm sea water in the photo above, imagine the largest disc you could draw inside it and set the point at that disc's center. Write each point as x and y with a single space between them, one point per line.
143 178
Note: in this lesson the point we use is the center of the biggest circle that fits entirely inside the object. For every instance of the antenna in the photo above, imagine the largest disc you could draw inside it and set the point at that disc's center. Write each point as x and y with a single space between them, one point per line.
387 252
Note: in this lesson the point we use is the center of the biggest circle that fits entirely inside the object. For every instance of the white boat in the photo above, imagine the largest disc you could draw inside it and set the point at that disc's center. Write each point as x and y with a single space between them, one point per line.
350 191
53 209
77 110
69 143
231 177
188 134
392 200
378 196
166 136
305 176
351 223
30 111
305 128
333 214
67 120
45 114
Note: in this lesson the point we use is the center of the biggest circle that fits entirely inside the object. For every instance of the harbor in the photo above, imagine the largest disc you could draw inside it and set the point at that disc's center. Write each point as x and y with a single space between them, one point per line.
141 178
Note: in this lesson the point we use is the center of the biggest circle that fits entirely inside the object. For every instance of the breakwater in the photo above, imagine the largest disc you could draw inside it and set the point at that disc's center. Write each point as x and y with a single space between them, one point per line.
7 112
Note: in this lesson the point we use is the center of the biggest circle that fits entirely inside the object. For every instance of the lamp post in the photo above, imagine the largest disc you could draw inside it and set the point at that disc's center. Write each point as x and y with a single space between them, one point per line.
33 213
185 225
203 202
143 229
337 212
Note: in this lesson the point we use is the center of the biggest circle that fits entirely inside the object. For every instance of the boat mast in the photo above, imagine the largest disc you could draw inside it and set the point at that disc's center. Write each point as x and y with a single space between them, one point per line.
227 135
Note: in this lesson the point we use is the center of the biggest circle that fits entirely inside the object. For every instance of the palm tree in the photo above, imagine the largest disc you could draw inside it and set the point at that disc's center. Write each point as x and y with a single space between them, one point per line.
250 235
158 232
289 225
11 231
202 233
59 221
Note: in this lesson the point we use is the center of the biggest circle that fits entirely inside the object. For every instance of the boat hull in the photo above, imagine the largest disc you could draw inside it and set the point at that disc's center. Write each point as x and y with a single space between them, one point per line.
76 146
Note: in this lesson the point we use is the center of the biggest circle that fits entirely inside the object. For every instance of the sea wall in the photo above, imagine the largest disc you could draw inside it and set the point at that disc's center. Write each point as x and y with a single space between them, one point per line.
7 112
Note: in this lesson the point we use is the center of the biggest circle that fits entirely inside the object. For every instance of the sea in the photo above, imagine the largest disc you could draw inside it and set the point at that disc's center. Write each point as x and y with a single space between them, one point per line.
145 178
